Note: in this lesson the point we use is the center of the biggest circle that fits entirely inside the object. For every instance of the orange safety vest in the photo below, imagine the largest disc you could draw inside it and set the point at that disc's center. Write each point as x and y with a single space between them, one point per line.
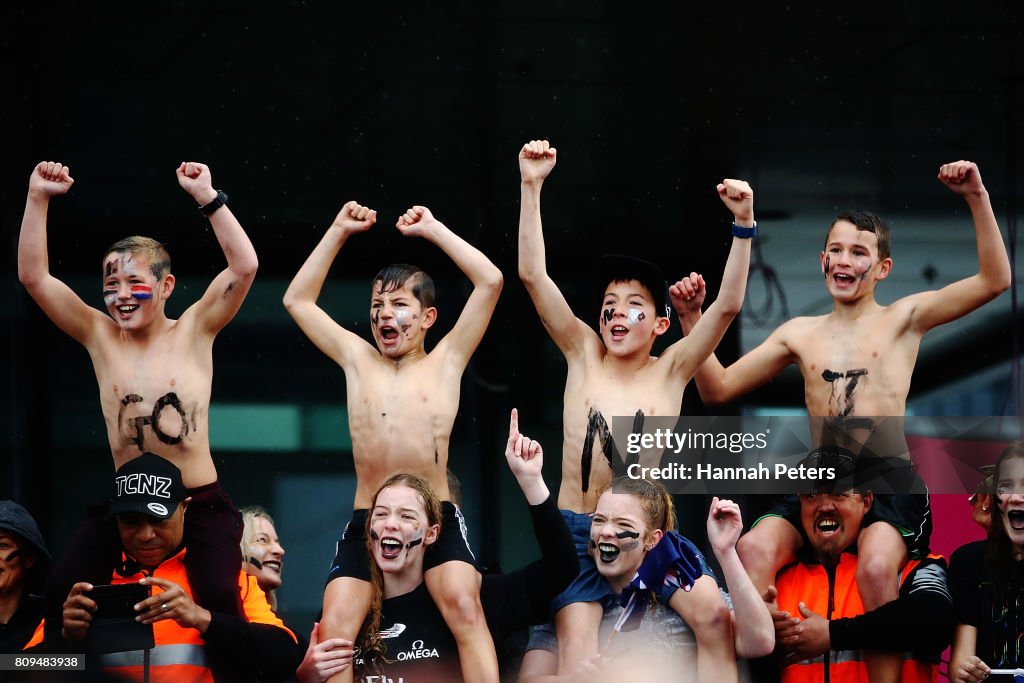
834 595
180 653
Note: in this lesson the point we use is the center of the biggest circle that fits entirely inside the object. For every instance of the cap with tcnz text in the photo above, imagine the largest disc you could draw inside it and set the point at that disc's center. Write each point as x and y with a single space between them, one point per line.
148 484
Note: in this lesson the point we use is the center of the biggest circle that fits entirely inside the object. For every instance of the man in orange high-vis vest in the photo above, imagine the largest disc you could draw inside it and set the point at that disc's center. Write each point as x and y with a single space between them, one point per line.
822 630
193 644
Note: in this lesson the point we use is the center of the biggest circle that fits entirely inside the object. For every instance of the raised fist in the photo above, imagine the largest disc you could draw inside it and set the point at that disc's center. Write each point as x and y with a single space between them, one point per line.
738 197
688 294
417 222
49 179
354 217
536 159
963 177
195 179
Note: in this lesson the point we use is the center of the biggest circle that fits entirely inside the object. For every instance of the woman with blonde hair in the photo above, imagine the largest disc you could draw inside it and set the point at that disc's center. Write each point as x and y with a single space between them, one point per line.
262 553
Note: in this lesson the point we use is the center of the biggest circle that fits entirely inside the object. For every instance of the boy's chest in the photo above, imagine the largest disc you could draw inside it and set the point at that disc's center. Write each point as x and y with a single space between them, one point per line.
829 351
646 394
416 390
158 378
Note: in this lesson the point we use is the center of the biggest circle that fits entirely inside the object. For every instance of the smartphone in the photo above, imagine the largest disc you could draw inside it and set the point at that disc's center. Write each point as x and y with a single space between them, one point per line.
113 627
117 601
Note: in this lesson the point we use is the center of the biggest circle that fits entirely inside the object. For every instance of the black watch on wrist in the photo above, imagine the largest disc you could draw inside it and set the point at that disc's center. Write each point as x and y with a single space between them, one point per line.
220 200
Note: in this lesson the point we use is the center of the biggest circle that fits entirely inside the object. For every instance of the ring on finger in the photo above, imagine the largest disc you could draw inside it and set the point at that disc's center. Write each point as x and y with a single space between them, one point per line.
165 607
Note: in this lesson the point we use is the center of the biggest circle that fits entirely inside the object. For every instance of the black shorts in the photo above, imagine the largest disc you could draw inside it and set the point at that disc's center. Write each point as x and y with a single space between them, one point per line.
910 514
452 545
352 558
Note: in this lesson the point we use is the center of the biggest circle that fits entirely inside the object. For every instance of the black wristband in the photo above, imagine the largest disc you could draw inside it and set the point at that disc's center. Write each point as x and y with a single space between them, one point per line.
220 200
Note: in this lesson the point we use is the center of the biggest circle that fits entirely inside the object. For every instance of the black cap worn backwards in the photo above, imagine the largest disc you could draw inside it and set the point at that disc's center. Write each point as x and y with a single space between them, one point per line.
618 268
148 484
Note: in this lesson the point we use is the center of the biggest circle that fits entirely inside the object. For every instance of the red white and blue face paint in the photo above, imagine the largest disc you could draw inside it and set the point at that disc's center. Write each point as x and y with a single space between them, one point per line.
128 284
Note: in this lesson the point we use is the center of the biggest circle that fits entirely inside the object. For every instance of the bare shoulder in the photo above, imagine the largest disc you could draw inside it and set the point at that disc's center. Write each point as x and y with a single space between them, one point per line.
790 332
106 334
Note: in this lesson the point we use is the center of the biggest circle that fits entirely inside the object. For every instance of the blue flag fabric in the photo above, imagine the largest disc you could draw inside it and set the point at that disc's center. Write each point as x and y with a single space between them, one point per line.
673 563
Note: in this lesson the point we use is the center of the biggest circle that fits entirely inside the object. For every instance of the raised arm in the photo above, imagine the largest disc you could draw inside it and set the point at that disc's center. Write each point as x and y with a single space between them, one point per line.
65 308
335 341
526 459
719 384
225 295
993 278
465 336
689 353
536 159
752 623
523 597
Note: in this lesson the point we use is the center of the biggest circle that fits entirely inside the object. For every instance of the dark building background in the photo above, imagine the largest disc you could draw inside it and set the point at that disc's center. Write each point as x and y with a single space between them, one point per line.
301 106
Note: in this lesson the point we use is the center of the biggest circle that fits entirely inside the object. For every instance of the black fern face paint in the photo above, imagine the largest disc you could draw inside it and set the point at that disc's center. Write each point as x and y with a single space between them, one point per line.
630 546
11 556
828 260
607 315
627 534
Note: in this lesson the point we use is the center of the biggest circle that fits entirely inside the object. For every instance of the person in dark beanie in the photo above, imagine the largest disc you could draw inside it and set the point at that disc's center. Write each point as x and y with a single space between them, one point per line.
24 562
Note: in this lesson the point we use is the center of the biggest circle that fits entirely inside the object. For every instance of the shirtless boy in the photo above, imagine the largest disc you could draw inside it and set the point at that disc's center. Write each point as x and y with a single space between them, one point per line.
857 362
402 403
154 374
613 373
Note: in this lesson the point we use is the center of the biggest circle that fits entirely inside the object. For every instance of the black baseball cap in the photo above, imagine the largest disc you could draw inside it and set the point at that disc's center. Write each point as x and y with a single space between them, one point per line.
618 268
148 484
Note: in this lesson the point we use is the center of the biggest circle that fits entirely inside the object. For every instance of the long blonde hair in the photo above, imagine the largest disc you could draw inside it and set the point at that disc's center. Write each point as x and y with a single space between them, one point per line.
249 516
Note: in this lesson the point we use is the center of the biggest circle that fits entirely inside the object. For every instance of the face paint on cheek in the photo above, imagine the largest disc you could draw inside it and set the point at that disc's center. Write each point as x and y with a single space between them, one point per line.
11 556
828 261
109 296
635 315
414 542
630 546
402 319
864 266
142 292
606 315
623 535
